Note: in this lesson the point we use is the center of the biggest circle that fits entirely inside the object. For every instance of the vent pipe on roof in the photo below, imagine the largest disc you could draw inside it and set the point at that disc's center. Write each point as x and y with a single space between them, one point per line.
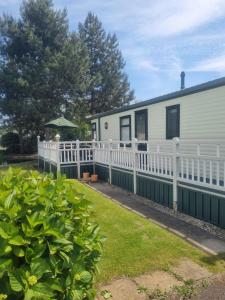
182 76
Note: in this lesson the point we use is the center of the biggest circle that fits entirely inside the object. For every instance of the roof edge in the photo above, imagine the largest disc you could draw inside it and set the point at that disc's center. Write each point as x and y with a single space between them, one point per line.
181 93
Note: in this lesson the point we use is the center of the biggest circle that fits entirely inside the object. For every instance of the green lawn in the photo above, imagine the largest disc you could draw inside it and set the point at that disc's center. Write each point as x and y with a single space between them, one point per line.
134 245
28 165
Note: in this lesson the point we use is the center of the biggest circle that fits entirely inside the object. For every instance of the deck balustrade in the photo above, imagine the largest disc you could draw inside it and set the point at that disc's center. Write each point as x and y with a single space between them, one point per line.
200 163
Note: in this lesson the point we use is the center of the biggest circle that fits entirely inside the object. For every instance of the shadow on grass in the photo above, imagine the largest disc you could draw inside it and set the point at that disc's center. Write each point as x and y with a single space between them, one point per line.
28 165
214 259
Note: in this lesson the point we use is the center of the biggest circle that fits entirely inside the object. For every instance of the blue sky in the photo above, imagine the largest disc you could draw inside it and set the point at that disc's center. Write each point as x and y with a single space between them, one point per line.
158 39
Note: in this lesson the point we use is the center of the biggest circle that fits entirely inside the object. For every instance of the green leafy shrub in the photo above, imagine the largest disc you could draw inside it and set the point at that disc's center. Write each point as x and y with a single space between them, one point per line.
48 246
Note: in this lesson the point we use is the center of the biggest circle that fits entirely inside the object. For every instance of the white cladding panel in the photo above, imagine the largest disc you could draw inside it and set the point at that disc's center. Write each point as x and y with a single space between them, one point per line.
113 131
202 115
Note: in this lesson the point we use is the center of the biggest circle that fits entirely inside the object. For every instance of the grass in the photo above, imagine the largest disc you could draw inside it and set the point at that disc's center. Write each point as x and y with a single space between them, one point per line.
135 245
28 165
15 158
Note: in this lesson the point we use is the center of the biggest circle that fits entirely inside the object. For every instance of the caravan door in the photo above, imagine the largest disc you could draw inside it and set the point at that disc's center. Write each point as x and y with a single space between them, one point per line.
141 128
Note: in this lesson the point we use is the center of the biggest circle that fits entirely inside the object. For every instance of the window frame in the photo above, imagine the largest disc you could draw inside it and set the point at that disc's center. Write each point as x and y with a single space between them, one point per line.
145 111
129 126
168 108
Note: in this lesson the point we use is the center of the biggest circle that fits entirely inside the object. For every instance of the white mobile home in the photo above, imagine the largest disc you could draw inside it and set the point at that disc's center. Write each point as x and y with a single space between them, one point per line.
197 112
186 174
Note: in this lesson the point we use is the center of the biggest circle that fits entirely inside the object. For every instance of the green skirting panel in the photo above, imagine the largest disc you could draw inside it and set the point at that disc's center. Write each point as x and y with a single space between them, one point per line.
122 179
86 168
201 205
71 170
155 190
41 164
102 171
47 166
54 169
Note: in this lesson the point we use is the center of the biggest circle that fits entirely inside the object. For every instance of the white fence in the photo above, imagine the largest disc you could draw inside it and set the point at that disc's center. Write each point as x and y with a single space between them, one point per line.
73 152
48 150
197 162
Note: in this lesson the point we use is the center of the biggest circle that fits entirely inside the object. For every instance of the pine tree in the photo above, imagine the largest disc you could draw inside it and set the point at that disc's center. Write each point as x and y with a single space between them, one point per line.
109 84
44 71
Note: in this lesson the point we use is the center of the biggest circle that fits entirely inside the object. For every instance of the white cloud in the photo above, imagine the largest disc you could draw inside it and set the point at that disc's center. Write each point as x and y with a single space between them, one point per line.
146 64
143 25
214 64
158 38
139 58
167 18
152 18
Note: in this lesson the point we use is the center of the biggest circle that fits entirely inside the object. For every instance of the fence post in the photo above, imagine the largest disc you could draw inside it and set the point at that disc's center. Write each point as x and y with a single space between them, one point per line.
78 158
93 154
50 157
134 148
57 138
110 161
44 153
176 142
218 165
38 141
198 162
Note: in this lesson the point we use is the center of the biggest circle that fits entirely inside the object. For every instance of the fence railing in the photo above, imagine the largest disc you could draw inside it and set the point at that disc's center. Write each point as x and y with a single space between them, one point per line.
49 151
72 152
196 162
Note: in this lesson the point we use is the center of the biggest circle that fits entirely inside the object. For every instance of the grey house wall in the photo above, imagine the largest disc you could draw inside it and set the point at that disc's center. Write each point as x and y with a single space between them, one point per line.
202 116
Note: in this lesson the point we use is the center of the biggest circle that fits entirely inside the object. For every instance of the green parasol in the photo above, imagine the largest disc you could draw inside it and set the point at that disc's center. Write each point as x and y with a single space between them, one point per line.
60 123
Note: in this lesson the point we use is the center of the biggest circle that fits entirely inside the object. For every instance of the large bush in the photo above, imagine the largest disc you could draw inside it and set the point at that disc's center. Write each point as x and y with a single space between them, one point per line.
48 246
11 142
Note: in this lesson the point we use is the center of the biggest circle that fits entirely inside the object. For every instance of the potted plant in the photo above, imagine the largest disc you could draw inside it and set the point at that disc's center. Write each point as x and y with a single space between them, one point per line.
94 178
86 175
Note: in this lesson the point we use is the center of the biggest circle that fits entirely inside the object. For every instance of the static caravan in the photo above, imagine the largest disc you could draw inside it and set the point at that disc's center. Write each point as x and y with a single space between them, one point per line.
197 112
178 159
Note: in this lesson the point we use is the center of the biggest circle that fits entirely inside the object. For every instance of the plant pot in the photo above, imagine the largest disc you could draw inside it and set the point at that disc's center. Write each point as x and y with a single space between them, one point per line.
86 176
94 178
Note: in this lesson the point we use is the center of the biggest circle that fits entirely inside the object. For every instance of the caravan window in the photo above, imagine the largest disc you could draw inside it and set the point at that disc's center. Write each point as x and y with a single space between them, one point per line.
93 131
125 128
141 124
172 121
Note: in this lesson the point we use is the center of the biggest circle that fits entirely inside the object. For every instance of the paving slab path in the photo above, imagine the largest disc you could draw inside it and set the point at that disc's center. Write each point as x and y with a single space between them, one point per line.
164 281
192 233
215 290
